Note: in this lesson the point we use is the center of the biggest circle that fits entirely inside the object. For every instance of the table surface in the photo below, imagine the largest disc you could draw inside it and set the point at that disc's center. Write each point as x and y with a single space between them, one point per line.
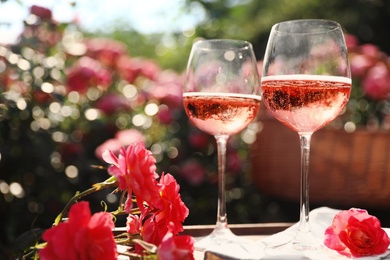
255 229
249 231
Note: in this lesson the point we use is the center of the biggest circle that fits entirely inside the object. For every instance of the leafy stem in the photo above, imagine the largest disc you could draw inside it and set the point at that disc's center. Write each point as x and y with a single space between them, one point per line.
109 183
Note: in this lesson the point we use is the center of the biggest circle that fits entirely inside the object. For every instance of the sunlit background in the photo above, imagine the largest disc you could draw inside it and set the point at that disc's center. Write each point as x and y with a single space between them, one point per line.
150 16
101 74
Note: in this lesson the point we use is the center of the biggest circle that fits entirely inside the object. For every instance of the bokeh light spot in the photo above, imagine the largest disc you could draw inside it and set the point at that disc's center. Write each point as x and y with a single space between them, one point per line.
16 189
138 120
130 91
47 87
71 171
151 109
4 187
92 114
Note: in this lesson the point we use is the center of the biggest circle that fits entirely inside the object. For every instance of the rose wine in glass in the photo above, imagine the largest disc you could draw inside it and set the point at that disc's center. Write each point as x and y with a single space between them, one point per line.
221 97
306 83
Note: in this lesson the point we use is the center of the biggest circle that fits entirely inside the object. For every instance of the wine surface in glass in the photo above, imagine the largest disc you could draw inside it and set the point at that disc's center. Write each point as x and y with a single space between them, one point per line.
305 103
221 113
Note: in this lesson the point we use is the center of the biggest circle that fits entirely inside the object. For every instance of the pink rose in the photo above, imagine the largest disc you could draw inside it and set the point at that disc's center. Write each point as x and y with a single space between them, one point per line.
377 82
112 144
133 224
360 64
82 237
370 50
135 169
86 73
129 136
106 50
176 247
168 89
131 68
355 233
128 69
351 41
193 172
121 139
174 210
168 216
42 12
149 68
199 139
112 103
165 115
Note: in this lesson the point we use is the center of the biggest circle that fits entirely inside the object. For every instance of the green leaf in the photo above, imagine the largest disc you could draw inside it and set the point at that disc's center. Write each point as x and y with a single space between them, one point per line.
27 240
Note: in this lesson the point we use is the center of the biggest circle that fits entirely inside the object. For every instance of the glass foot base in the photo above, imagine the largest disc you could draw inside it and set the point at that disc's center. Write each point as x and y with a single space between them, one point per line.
219 237
295 247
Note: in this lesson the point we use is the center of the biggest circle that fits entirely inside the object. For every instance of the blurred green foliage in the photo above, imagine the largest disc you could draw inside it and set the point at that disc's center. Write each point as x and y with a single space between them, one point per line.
252 20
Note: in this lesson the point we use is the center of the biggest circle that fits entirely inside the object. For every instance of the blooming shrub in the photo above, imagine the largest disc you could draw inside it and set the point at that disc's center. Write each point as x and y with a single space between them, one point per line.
355 233
65 98
369 104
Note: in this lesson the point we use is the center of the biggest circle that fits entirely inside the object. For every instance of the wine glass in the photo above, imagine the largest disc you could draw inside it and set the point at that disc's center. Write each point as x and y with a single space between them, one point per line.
305 84
221 97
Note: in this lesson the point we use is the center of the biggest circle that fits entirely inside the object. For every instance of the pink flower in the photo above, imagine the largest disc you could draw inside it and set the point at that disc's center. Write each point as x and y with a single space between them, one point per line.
360 64
81 237
351 41
42 12
86 73
122 138
112 103
131 68
377 82
165 115
193 172
129 136
370 50
128 70
168 89
107 51
112 144
199 139
172 212
133 225
355 233
176 247
135 170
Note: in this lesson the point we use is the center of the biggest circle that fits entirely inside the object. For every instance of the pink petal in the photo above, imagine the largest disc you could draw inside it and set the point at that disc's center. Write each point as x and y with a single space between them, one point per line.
109 157
332 240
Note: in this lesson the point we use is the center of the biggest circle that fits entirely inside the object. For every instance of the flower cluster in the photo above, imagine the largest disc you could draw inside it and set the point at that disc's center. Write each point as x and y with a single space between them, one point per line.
355 233
154 223
369 104
159 202
67 88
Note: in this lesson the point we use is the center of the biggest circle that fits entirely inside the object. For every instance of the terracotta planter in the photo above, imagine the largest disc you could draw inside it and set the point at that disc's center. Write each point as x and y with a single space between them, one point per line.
346 169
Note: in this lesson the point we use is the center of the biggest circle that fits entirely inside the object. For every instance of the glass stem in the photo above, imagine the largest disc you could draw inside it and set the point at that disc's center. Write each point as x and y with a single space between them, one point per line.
221 211
304 226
